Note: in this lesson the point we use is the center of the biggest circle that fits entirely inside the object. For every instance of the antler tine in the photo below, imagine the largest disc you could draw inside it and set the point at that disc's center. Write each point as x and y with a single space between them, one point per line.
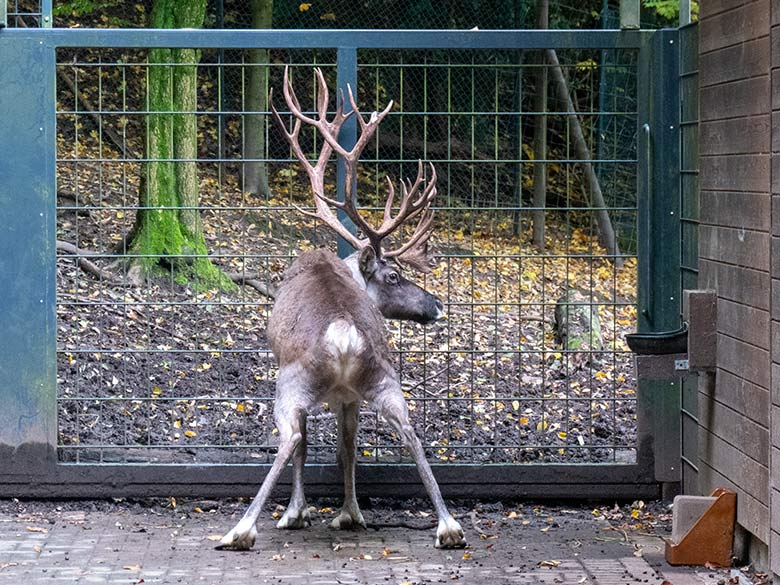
414 251
409 206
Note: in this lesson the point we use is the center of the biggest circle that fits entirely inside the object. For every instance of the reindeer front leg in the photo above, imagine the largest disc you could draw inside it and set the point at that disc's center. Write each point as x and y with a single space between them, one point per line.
350 516
297 513
392 407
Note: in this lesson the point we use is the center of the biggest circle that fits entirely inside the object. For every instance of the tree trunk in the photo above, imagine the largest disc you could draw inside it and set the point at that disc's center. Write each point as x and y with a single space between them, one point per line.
606 231
168 229
540 134
256 172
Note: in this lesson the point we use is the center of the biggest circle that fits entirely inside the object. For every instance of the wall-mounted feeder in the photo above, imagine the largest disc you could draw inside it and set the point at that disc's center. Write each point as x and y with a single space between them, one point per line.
703 529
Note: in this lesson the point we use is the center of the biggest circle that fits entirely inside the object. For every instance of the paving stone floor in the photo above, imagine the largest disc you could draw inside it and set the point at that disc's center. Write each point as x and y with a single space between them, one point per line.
154 543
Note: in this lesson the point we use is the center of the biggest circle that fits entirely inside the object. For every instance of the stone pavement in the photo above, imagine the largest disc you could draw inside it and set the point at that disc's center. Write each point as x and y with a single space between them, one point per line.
151 543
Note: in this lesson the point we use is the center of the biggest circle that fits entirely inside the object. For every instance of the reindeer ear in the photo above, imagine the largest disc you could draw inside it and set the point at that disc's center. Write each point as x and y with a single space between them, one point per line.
367 261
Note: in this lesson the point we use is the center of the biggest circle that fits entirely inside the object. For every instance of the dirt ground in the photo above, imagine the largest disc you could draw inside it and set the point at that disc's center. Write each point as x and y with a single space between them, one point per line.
170 541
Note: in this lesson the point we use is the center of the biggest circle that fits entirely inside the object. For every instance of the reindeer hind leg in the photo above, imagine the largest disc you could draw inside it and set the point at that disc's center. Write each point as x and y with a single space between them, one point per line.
293 398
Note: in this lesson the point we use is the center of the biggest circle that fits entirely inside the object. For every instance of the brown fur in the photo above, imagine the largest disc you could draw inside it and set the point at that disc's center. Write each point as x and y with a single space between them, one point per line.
317 290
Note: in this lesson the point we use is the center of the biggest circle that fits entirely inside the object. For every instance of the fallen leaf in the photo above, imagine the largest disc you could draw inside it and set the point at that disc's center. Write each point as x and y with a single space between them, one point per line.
214 537
466 555
132 567
36 529
6 565
549 563
277 558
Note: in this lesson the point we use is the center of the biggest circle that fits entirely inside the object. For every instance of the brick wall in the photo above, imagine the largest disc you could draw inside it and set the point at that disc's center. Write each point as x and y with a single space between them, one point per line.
735 249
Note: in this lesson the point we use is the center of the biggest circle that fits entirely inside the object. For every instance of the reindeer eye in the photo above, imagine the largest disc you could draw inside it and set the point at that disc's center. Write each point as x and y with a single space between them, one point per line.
392 278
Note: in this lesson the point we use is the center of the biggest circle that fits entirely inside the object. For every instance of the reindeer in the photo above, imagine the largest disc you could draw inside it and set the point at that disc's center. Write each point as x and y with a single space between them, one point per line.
327 329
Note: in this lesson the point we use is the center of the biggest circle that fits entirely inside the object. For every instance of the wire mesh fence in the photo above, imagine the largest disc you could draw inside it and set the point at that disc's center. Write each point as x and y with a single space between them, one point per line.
170 366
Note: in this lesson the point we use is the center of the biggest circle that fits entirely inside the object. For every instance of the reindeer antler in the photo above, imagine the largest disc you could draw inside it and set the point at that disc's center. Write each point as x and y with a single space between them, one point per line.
414 252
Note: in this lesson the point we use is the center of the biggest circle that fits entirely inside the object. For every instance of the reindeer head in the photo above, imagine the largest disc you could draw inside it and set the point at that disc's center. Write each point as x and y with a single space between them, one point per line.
377 268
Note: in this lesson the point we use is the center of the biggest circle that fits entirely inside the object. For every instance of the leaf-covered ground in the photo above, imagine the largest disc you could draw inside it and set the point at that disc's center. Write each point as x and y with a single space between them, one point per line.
165 372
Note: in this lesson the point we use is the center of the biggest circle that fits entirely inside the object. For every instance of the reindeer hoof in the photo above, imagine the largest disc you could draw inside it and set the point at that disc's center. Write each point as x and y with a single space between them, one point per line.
449 534
295 518
242 537
348 520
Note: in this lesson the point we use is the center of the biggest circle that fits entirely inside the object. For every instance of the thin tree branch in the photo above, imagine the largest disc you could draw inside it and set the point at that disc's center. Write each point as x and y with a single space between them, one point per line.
263 288
72 251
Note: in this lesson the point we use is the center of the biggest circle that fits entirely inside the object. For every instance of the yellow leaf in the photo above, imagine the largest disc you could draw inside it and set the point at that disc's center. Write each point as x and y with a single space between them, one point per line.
120 214
304 7
240 408
562 434
635 513
523 420
190 434
466 555
541 425
516 404
156 390
177 424
549 563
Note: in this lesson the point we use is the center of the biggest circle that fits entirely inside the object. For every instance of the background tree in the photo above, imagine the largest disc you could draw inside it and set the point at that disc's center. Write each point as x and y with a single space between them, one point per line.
168 232
256 172
540 133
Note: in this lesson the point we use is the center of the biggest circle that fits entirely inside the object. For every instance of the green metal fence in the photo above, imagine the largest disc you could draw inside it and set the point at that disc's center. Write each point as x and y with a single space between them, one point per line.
169 384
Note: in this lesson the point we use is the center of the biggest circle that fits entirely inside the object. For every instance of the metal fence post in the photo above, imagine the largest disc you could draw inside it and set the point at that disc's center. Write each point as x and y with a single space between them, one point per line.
659 240
346 73
28 420
629 14
47 18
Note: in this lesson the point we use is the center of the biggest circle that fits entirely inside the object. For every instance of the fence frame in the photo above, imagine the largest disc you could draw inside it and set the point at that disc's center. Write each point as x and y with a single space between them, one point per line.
28 387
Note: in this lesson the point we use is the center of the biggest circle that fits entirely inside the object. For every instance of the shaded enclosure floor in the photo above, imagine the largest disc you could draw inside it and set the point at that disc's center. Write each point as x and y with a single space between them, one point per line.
155 542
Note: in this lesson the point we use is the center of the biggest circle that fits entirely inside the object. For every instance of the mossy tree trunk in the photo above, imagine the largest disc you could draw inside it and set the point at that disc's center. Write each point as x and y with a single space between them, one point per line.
169 231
